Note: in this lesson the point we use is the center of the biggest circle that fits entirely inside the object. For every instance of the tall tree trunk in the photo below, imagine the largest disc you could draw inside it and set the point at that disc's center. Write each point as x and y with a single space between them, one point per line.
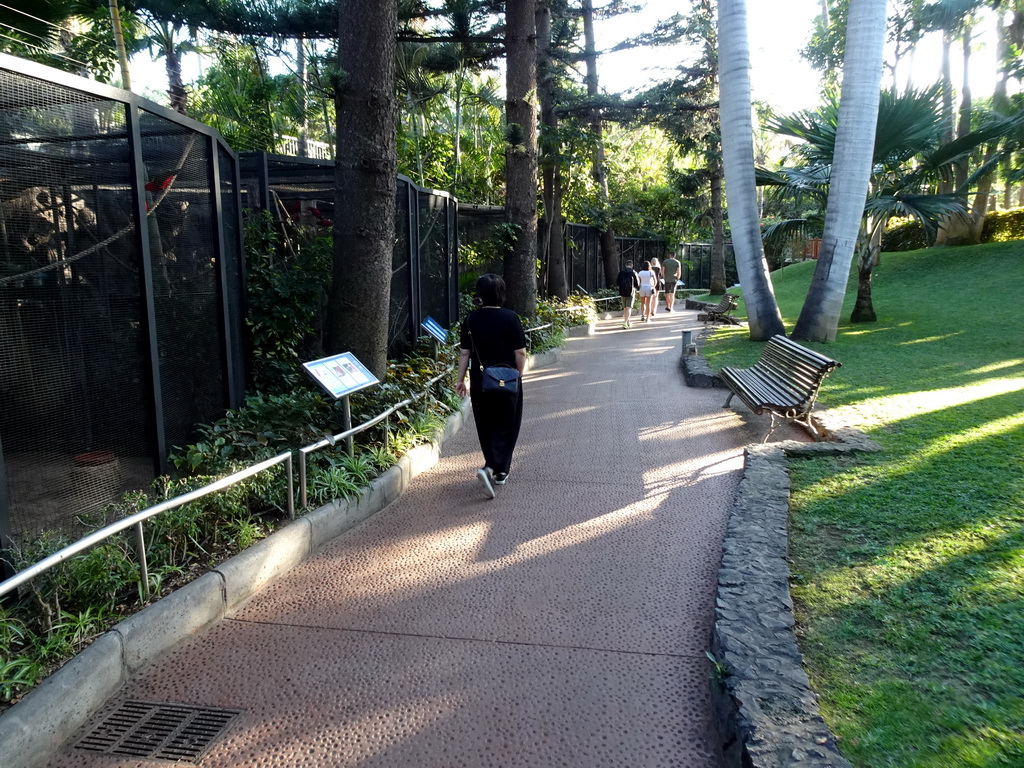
175 86
609 251
763 314
851 171
300 74
718 285
863 307
122 52
966 107
554 281
521 156
365 182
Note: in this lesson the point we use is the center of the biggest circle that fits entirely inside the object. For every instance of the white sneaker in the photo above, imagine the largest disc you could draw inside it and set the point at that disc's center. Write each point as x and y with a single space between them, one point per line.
484 476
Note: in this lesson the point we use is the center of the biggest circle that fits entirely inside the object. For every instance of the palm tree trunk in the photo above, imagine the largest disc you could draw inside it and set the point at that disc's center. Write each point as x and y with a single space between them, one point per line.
851 172
763 314
122 52
717 286
863 307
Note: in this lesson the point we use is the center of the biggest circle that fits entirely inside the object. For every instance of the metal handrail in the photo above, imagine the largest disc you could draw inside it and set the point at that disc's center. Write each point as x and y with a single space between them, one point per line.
335 439
136 521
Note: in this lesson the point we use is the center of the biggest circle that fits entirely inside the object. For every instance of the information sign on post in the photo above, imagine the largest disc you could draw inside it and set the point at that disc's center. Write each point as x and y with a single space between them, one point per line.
439 334
431 326
340 374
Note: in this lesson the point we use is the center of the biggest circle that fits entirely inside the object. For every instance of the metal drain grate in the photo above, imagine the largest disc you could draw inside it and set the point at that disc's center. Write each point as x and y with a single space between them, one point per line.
177 732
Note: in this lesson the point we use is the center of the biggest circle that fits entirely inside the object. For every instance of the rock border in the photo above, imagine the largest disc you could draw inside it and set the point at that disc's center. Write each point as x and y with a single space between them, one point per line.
56 709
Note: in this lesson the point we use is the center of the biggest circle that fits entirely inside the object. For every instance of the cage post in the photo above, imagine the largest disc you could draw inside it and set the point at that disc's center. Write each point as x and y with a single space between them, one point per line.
231 383
5 519
148 313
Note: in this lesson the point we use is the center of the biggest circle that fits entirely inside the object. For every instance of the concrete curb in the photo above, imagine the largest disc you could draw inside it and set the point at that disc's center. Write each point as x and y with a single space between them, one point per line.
58 707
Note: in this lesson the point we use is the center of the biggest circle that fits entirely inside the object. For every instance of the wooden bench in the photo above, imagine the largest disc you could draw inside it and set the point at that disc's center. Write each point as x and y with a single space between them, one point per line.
720 312
784 382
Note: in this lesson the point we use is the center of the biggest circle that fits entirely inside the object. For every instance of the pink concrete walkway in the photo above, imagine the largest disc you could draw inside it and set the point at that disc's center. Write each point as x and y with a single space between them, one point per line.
562 624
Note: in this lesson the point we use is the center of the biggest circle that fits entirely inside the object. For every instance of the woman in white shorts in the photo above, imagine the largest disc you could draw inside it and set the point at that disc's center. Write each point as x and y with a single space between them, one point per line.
648 286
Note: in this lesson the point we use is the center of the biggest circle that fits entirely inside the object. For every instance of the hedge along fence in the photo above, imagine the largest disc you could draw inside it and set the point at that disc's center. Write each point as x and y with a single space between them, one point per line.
999 227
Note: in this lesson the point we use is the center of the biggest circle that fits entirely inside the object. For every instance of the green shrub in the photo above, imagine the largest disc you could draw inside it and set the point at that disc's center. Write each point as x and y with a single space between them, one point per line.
1001 226
904 235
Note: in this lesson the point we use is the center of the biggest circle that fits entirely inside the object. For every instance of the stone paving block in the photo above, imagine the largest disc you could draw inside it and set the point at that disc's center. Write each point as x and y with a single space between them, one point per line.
379 701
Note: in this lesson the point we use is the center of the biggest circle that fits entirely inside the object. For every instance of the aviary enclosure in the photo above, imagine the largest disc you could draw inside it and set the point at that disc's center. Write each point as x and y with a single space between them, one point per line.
122 283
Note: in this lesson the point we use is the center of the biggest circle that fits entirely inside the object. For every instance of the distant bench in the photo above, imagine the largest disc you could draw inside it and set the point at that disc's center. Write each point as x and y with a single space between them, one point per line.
720 311
784 382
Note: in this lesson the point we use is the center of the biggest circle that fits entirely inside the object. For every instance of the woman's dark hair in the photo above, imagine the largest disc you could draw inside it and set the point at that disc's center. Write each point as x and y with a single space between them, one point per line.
490 291
647 266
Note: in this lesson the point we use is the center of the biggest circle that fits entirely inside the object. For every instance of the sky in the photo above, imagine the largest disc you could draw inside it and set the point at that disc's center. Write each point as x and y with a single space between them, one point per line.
777 30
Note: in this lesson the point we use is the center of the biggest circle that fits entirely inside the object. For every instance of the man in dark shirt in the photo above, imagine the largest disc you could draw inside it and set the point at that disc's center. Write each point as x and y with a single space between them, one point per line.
628 282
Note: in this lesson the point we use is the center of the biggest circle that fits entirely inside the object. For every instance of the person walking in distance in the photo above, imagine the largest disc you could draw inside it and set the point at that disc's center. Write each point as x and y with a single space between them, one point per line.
492 335
629 284
671 269
658 285
648 283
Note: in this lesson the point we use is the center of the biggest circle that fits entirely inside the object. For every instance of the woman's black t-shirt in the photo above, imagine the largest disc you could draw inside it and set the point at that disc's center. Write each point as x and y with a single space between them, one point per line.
493 335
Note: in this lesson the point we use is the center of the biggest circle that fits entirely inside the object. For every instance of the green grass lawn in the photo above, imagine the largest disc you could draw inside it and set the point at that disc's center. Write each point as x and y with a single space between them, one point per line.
908 565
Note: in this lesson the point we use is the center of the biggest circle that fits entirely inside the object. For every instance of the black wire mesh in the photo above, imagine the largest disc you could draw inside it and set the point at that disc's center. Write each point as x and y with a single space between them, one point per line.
79 420
436 263
424 279
400 314
696 261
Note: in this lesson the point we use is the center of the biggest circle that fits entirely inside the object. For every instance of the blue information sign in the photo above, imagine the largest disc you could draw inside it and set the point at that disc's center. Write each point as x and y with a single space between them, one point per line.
340 374
431 326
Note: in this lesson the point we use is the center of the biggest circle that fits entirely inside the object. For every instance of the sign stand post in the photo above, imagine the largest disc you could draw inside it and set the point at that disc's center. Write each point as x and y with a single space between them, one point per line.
341 375
437 333
347 424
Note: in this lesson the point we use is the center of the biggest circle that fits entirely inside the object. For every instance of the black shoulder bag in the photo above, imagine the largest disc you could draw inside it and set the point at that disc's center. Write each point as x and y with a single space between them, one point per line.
496 378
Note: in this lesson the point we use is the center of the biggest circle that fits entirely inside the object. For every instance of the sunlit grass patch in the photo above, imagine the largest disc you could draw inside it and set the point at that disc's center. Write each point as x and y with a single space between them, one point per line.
908 565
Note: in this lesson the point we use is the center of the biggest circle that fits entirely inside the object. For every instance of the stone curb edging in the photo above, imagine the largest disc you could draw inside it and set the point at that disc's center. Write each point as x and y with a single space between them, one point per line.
774 717
58 707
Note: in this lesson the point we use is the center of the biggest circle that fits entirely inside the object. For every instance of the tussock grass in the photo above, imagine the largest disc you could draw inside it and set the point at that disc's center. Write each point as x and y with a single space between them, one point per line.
908 566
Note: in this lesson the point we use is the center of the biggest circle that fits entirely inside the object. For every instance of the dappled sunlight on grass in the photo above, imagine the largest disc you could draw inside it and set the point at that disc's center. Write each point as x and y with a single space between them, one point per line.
908 565
931 339
893 408
996 367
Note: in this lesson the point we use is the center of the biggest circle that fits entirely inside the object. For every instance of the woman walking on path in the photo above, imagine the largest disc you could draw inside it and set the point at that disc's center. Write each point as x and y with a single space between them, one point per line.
648 281
491 335
658 284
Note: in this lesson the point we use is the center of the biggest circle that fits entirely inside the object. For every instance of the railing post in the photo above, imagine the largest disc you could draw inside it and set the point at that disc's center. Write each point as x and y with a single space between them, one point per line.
291 488
302 479
140 546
